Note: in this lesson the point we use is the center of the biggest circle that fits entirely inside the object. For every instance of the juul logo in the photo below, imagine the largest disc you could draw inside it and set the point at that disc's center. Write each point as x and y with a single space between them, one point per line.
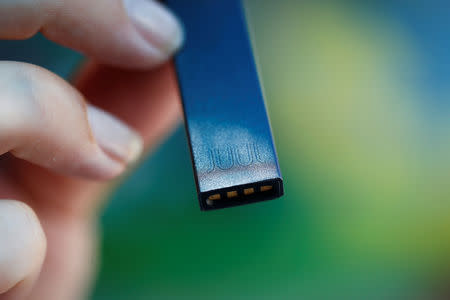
232 156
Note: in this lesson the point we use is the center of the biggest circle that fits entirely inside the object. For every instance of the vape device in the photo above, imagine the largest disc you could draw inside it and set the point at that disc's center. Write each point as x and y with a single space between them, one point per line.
228 129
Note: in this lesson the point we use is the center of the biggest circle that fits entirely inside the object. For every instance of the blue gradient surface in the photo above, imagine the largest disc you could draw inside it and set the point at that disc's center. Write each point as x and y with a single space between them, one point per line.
229 132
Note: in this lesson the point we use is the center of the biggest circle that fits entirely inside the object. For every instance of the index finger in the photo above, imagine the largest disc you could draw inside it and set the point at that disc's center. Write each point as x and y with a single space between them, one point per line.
125 33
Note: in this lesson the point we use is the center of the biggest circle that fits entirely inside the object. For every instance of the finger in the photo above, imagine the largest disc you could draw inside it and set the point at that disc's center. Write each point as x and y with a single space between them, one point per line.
70 264
45 121
22 249
126 33
148 101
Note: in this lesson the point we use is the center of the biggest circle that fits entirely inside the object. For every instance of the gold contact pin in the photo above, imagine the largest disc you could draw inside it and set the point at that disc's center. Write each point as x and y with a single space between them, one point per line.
232 194
266 188
214 197
249 191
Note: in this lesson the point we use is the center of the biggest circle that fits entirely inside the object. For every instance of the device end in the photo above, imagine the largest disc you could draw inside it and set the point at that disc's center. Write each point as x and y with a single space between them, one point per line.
241 194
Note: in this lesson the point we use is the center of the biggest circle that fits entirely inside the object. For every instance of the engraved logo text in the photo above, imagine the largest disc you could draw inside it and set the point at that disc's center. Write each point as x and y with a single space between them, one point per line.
233 156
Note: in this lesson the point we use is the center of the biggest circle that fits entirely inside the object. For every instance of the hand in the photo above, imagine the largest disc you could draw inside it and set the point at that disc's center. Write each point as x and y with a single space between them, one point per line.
55 146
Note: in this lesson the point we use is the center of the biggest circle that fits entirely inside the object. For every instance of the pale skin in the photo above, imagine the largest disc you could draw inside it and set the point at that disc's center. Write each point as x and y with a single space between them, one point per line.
61 145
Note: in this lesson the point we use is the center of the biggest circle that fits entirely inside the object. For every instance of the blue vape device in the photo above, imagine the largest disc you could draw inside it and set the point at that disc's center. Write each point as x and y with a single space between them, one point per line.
229 134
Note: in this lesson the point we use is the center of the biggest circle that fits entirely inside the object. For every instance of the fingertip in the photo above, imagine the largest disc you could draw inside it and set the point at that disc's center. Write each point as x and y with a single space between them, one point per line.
58 130
157 25
153 109
134 34
114 148
23 246
116 138
95 164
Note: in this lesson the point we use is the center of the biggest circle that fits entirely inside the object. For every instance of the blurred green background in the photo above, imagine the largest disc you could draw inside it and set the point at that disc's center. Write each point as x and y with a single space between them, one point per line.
358 93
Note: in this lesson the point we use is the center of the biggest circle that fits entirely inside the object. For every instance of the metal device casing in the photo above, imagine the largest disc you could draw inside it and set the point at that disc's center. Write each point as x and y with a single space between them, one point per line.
225 115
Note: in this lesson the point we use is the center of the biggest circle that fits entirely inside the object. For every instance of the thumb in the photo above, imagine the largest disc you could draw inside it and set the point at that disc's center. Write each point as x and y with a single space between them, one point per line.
126 33
22 249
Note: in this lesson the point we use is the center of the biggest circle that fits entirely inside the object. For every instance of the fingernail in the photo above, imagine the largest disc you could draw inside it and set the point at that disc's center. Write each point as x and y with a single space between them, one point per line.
156 24
114 137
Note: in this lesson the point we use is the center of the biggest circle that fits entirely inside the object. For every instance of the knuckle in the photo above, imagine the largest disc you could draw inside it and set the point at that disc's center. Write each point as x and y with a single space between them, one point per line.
38 110
19 100
32 95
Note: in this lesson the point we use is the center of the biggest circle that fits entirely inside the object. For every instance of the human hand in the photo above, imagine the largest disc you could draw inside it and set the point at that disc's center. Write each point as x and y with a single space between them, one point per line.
59 151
